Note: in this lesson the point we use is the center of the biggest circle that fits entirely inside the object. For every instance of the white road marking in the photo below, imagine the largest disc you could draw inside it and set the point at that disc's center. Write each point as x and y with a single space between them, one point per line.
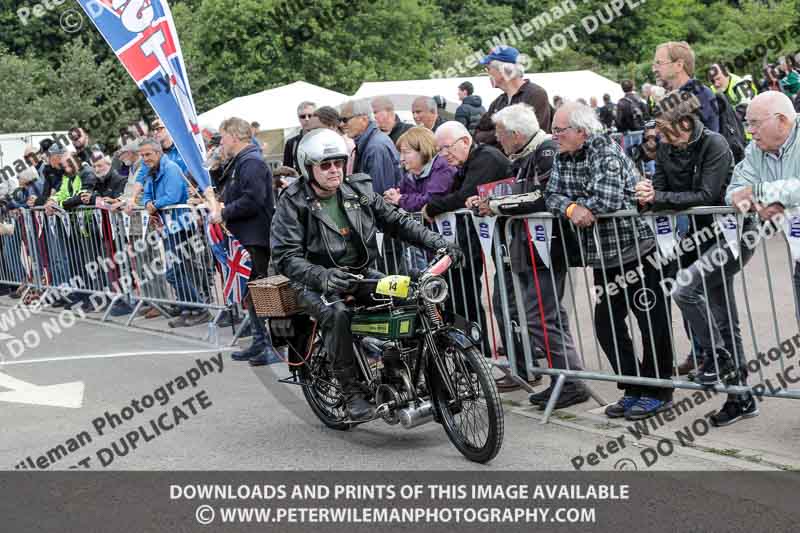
114 355
60 395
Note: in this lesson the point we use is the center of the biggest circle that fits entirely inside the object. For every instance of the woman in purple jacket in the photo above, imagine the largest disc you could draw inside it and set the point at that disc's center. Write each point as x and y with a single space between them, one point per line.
426 174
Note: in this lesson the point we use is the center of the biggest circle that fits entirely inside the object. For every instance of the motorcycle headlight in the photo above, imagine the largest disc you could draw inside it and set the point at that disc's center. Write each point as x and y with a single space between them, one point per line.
434 290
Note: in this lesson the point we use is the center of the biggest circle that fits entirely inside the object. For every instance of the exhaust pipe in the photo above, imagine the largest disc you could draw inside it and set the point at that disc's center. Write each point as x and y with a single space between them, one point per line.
411 417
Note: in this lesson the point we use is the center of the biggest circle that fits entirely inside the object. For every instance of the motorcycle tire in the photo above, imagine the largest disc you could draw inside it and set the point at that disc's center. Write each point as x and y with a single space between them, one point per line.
472 378
321 389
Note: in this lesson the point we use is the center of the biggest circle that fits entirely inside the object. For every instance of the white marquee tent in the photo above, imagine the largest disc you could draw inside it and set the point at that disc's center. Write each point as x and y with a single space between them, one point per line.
568 85
273 109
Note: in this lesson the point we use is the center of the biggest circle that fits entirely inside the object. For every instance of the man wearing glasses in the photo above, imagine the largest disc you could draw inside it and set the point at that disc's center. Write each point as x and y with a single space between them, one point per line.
169 151
673 66
768 179
592 176
375 153
305 111
477 164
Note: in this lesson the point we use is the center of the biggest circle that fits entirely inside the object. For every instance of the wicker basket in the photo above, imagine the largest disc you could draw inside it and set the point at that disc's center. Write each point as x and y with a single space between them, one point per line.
273 297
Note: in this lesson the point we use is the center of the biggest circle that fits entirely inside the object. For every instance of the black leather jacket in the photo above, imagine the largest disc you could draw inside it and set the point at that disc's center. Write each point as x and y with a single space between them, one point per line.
305 241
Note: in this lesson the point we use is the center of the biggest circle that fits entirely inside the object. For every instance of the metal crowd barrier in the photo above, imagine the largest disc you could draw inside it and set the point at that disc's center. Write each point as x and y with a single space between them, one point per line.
543 316
747 295
160 261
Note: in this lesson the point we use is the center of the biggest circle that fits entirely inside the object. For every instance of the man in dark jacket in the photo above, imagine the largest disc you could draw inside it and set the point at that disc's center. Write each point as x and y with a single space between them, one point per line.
248 214
305 112
471 110
375 154
673 66
507 74
631 115
387 120
80 140
607 113
543 281
694 166
52 173
477 164
324 234
426 113
108 183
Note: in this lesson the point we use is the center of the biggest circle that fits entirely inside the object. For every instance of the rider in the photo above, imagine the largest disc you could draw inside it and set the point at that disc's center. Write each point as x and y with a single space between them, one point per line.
324 235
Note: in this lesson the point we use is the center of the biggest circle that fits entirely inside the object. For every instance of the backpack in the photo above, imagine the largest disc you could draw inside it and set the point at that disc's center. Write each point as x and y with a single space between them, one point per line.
637 115
730 127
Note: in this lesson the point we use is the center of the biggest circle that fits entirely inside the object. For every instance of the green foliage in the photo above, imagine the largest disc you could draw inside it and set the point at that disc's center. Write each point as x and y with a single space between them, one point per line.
51 79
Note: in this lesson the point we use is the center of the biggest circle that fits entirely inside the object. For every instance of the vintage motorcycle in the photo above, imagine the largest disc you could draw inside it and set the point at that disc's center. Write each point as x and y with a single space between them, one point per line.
415 367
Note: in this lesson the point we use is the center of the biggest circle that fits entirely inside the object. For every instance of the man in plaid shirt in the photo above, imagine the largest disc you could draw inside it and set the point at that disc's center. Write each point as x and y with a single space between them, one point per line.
591 175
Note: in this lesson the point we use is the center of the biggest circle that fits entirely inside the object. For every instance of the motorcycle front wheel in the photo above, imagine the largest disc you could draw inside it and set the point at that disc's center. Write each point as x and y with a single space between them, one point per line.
473 420
322 390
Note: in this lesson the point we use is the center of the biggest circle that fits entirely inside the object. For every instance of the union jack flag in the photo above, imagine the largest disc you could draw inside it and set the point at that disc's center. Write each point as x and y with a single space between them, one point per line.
233 262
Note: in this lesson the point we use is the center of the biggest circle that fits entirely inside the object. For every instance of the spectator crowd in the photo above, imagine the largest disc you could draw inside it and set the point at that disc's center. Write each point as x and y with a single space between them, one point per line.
685 141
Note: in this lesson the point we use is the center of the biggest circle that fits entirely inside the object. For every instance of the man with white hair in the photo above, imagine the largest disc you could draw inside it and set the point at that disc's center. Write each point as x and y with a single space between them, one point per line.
592 176
768 179
531 152
375 153
504 66
477 164
426 113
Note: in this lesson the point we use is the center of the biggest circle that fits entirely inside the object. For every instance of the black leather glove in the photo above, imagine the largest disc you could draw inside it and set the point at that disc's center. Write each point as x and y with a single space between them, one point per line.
454 251
337 281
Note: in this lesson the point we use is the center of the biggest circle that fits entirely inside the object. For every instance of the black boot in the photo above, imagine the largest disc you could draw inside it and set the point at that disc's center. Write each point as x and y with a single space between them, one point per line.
248 353
357 406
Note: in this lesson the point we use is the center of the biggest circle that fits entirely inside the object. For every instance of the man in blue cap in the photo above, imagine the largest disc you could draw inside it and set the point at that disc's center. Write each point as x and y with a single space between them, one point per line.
505 67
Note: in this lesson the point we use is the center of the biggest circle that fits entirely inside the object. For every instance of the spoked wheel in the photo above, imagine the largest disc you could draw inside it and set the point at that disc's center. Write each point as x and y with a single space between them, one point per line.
322 390
473 419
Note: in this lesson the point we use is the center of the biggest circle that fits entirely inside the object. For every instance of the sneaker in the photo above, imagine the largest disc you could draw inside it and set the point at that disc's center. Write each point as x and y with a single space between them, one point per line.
618 410
571 394
180 322
708 374
689 364
647 407
198 317
733 411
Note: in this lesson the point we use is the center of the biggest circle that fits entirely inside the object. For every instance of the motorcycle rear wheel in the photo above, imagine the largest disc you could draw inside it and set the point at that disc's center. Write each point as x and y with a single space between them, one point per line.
474 421
322 390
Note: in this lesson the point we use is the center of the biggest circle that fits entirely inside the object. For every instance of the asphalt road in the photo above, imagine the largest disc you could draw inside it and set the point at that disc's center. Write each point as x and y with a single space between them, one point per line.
240 418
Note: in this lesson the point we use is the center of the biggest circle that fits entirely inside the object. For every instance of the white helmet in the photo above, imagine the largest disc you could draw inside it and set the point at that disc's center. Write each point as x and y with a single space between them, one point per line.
317 146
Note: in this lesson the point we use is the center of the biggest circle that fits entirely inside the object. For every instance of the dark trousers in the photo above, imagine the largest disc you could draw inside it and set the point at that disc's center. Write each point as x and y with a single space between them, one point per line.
259 262
646 299
467 282
333 322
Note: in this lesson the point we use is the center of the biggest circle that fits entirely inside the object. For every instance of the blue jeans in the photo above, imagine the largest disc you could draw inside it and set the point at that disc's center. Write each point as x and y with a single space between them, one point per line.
58 259
180 274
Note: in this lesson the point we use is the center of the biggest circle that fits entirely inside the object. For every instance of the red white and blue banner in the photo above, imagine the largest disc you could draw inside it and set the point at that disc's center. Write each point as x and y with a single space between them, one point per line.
143 36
